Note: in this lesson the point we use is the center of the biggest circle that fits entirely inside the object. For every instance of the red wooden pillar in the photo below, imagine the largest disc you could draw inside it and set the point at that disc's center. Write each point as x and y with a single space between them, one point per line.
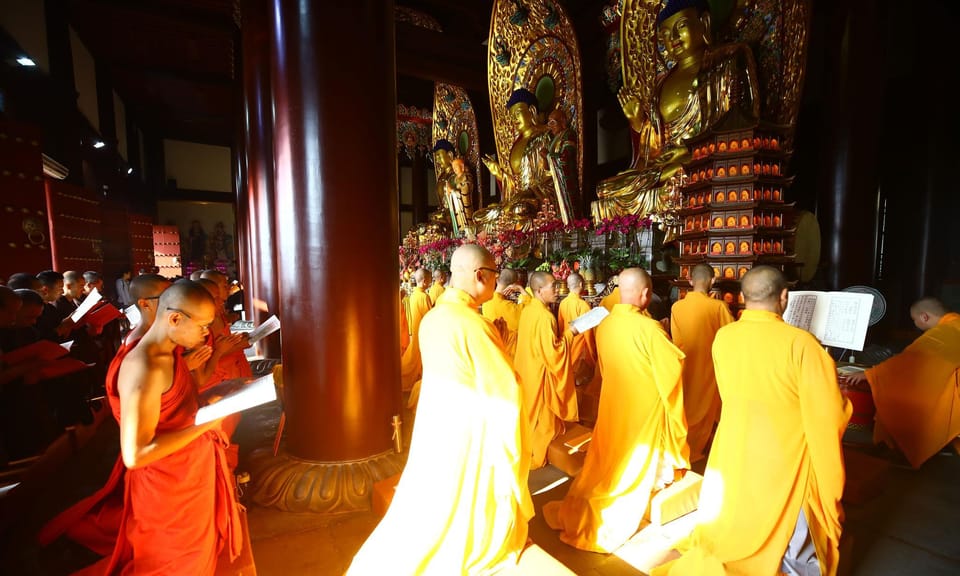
333 83
261 267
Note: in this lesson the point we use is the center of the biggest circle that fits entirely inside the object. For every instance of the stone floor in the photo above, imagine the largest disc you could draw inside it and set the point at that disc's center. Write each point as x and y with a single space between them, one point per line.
899 521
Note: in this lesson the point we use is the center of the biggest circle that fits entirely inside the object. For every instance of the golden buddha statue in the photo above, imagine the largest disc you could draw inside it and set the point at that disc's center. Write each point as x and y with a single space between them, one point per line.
458 190
442 165
526 178
707 84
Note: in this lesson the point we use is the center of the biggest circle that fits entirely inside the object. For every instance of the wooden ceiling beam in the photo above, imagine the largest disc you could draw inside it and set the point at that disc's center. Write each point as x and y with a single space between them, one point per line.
440 57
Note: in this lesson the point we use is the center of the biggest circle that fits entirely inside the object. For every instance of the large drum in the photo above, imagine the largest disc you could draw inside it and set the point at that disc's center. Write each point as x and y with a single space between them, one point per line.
862 400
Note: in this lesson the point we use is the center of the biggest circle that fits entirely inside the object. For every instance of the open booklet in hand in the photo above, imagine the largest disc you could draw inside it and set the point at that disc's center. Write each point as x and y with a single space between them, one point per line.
247 393
92 299
589 320
269 326
837 319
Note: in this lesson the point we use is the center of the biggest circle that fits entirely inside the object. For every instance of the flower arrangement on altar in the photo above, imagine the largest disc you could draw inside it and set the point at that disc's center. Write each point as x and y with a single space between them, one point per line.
436 255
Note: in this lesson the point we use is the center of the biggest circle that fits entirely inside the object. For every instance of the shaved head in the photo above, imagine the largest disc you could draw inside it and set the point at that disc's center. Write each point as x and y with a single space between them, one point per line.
422 277
210 286
927 312
575 282
196 275
147 286
635 287
540 279
701 274
23 280
507 277
473 269
185 294
764 288
184 314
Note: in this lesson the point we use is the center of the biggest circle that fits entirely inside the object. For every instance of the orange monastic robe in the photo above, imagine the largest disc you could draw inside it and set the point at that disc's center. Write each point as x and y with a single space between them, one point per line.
694 322
546 377
178 512
418 304
404 327
917 393
584 352
777 452
639 439
435 290
462 504
611 299
500 307
94 522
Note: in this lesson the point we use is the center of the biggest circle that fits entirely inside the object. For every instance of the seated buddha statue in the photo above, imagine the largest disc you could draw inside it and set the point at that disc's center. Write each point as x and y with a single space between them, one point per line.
525 177
707 83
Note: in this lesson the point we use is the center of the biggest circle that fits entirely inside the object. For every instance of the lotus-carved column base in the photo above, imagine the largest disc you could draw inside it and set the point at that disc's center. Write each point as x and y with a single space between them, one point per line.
294 485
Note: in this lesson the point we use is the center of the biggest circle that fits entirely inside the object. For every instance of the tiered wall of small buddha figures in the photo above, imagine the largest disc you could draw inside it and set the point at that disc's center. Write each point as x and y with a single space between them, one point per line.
733 211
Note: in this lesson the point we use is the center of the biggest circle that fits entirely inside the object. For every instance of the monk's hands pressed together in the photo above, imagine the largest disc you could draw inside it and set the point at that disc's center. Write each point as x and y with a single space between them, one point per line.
230 343
501 325
197 357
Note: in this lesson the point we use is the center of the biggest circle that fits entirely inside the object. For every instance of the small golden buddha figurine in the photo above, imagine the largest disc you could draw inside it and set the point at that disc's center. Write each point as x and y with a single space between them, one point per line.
705 85
526 177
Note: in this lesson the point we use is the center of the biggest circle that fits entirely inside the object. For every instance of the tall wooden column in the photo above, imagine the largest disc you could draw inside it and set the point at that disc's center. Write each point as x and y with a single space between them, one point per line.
333 82
261 266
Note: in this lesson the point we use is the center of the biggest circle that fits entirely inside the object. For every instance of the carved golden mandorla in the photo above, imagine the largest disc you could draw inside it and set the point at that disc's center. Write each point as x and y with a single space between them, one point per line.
453 115
528 40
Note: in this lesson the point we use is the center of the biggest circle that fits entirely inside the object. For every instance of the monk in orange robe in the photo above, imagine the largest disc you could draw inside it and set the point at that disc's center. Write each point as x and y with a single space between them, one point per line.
770 501
500 306
917 392
694 322
94 522
404 327
418 304
179 507
462 504
639 442
571 307
439 282
543 363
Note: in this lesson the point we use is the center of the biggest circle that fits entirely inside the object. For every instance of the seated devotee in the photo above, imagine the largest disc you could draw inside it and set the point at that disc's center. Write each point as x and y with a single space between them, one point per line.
639 441
770 501
543 365
439 281
94 522
179 506
694 322
73 284
92 279
500 306
462 504
916 392
22 280
418 304
10 306
52 324
584 354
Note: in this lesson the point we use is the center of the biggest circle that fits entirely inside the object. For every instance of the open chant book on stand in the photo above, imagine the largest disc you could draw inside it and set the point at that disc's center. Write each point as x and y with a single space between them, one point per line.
589 320
269 326
241 393
838 319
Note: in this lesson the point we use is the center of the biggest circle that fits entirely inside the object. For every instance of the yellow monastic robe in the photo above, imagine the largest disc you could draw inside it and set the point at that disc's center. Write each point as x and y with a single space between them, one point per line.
404 326
694 322
543 363
462 504
917 393
584 352
640 434
418 304
500 307
435 290
611 299
777 452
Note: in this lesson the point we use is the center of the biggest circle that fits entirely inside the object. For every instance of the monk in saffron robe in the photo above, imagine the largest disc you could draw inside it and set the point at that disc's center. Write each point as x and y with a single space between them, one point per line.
639 442
917 392
404 327
543 364
584 353
94 522
418 304
500 306
438 286
462 504
694 322
770 501
611 299
179 507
